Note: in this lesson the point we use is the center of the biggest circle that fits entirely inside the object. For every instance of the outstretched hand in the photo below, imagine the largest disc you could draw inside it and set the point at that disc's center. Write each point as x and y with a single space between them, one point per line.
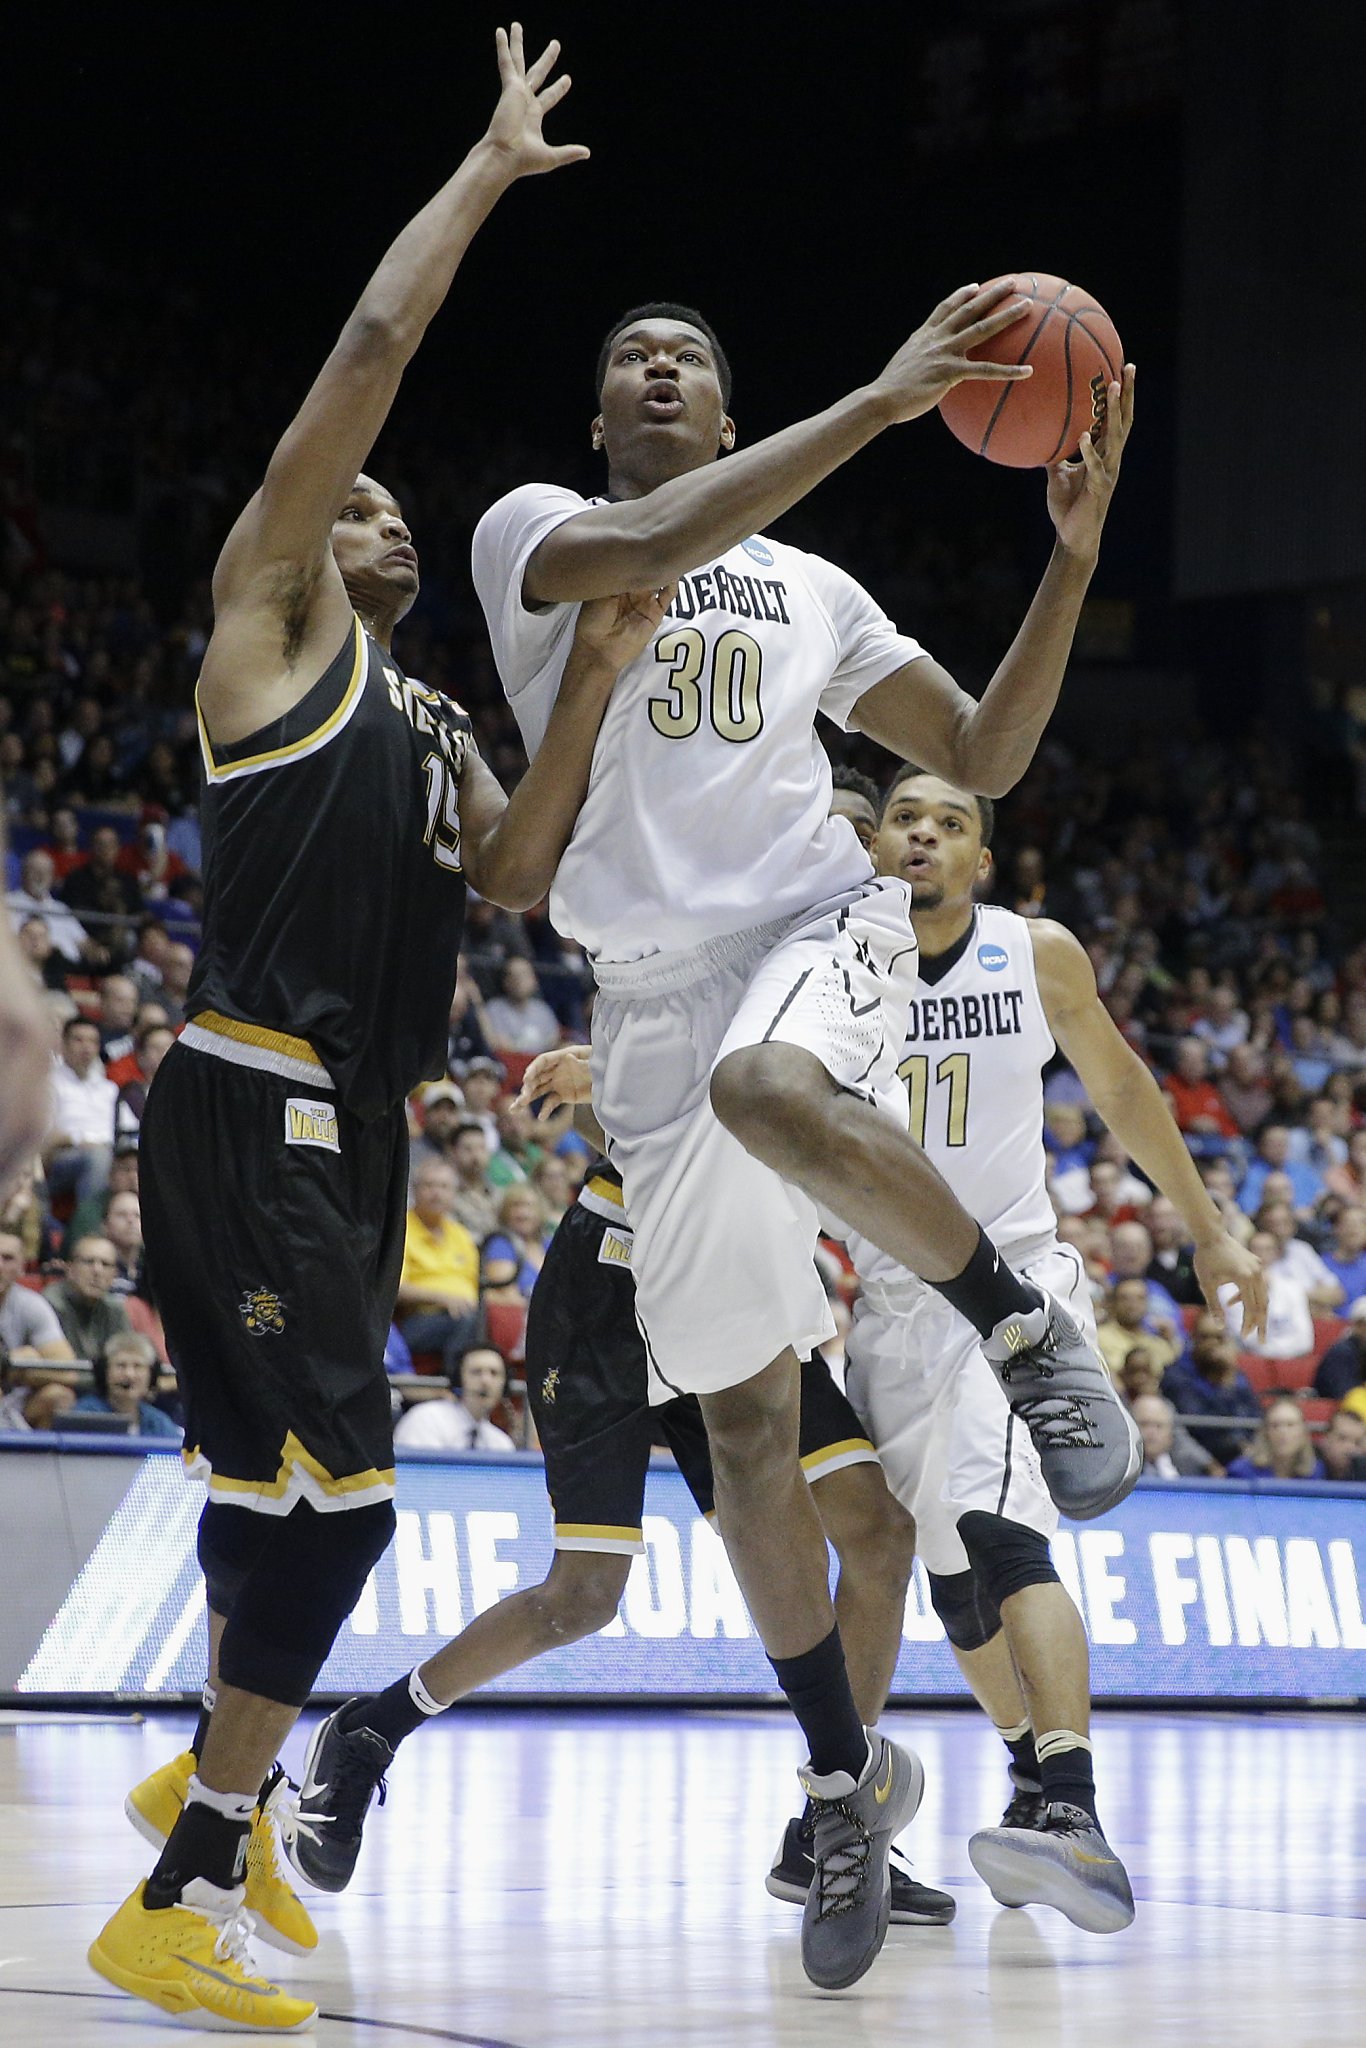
938 355
1223 1262
556 1079
616 629
1079 492
515 129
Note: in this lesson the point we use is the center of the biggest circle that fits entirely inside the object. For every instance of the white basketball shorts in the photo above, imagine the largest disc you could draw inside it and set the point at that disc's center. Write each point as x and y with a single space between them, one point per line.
938 1414
724 1249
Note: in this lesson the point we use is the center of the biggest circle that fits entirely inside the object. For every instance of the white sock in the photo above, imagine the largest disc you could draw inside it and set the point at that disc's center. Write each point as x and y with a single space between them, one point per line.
232 1805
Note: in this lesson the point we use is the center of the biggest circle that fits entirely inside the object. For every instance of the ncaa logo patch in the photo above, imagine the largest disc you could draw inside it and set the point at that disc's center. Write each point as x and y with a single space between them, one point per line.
757 552
993 958
311 1123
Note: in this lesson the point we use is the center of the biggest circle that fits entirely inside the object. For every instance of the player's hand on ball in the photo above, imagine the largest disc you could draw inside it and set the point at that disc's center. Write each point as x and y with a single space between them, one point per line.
556 1080
1079 492
616 629
515 130
1223 1262
936 357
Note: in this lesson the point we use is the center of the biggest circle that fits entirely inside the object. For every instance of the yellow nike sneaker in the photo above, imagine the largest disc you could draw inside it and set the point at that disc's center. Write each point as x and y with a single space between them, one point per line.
192 1961
281 1918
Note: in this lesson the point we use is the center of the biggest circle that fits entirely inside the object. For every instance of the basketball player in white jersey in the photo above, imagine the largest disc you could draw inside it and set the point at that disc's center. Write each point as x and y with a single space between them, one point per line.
998 994
753 974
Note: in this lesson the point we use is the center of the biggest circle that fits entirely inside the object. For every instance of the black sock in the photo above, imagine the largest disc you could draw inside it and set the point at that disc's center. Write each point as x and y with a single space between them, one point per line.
202 1843
1068 1776
817 1688
1024 1760
390 1714
986 1292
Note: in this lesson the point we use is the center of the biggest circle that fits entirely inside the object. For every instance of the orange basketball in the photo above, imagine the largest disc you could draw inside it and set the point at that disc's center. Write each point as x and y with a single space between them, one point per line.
1071 345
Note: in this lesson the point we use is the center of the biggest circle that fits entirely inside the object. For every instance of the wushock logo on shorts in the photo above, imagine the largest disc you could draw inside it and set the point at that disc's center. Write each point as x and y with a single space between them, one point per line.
262 1311
311 1123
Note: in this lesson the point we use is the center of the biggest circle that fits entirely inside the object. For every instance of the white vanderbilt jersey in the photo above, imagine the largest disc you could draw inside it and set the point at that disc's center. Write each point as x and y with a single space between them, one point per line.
977 1042
707 805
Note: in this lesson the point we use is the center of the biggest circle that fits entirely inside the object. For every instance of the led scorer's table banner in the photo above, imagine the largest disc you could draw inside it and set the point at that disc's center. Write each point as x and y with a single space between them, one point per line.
1191 1589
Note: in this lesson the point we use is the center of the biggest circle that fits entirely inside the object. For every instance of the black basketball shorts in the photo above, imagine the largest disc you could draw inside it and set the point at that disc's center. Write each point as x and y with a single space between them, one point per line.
588 1384
274 1224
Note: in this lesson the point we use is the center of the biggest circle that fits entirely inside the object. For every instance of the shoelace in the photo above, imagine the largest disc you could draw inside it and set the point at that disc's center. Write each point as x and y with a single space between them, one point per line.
234 1932
280 1815
1057 1422
842 1873
1026 1810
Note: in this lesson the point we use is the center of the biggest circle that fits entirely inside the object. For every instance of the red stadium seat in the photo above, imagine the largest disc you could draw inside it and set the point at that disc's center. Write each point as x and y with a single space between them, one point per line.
516 1064
427 1362
1319 1411
1327 1330
1189 1313
1267 1374
506 1325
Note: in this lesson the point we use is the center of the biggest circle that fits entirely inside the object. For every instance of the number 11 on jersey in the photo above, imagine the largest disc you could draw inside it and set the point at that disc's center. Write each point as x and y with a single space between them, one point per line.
954 1070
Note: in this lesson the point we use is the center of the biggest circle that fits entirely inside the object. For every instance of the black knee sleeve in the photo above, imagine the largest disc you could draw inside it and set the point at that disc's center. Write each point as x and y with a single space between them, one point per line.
290 1606
230 1541
1005 1555
969 1614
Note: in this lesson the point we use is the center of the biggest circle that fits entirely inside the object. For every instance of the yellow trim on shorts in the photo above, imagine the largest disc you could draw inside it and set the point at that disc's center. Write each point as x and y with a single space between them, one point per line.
607 1191
258 1034
308 743
598 1536
293 1456
852 1450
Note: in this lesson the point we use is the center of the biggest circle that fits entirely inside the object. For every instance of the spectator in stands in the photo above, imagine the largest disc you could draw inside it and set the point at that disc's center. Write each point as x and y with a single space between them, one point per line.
151 1045
1348 1182
88 1220
1128 1326
520 1020
461 1423
1210 1382
48 967
1201 1114
123 1229
1297 1257
175 982
1342 1447
1346 1256
442 1108
148 964
1070 1146
34 898
1131 1258
26 1407
1243 1089
1156 1419
1319 1142
1341 1371
519 1146
79 1145
63 846
125 1373
1173 1261
118 1015
1095 1191
476 1198
513 1255
1223 1028
99 892
1273 1156
550 1178
438 1291
466 1038
1138 1377
1289 1318
30 1333
86 1308
482 1081
1282 1447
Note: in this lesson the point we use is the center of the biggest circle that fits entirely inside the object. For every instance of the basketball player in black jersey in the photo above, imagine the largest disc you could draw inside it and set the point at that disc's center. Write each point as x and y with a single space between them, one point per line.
345 805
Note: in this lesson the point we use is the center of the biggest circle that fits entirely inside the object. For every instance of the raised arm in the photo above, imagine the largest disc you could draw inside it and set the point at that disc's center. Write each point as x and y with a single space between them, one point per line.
281 609
648 540
1130 1103
512 845
921 713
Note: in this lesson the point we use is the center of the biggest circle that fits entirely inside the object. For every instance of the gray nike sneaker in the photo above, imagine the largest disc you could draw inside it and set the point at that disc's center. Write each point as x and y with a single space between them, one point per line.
1066 1863
1087 1441
849 1904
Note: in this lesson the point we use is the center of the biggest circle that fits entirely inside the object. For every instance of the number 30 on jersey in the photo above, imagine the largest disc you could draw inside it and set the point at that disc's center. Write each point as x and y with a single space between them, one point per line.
953 1072
732 693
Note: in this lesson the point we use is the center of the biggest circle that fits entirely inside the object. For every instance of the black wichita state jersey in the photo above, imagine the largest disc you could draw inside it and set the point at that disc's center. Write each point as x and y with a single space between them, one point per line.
334 898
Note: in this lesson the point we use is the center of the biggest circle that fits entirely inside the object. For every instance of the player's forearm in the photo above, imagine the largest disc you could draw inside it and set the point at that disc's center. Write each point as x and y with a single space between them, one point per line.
998 740
519 853
416 272
1138 1115
693 518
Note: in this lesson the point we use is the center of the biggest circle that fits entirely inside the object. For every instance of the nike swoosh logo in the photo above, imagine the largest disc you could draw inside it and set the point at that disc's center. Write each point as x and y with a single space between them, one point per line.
233 1983
882 1793
1082 1857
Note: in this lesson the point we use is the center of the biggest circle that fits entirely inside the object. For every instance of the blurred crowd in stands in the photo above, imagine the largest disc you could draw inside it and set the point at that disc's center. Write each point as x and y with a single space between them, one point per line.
1191 867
